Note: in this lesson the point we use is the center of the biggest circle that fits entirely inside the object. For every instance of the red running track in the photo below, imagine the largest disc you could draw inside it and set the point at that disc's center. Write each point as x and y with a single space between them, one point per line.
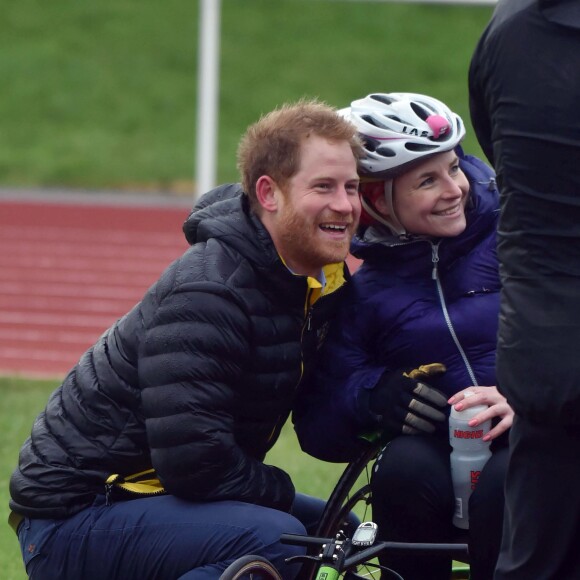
68 270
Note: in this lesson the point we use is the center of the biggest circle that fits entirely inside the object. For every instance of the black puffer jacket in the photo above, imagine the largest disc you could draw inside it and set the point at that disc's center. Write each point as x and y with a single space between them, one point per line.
196 381
524 86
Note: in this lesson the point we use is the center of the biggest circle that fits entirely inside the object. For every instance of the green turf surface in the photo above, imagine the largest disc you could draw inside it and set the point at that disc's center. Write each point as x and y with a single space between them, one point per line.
23 399
103 95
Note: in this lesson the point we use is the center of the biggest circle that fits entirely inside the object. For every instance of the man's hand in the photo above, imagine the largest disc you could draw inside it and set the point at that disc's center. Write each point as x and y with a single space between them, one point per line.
406 403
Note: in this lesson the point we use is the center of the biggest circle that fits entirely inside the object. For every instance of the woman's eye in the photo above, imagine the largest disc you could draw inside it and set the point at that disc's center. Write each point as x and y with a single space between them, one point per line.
427 182
454 170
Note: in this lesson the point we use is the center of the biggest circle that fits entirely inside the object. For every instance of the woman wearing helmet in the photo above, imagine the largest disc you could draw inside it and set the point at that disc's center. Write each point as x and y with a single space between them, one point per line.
427 292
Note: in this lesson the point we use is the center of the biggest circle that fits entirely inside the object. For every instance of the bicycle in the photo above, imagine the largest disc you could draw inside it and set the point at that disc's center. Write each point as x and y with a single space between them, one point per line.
251 567
353 492
343 499
338 557
353 489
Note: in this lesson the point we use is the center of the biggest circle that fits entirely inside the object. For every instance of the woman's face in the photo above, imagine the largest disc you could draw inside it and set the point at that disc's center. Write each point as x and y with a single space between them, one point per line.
430 198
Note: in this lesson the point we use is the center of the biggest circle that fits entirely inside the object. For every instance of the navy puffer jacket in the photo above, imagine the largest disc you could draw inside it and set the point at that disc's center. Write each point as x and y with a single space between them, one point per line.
196 381
412 302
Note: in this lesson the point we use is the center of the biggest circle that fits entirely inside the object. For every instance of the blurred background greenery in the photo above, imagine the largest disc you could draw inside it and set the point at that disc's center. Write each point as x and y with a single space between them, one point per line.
103 95
23 399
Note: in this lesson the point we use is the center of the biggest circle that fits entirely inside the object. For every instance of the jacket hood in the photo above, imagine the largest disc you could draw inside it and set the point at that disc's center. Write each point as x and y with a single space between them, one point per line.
481 211
224 214
212 207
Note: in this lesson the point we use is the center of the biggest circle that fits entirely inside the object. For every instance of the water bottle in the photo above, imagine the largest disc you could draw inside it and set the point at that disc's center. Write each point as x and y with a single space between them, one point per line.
468 456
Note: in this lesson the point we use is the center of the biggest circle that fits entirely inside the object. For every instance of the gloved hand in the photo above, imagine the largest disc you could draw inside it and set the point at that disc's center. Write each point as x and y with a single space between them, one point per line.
406 403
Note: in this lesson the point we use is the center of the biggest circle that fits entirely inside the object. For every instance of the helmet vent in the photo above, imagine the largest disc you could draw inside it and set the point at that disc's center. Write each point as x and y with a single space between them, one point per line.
385 151
421 111
419 147
371 144
370 120
382 99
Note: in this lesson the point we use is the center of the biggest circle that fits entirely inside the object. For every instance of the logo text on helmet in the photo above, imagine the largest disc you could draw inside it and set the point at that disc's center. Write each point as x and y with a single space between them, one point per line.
412 131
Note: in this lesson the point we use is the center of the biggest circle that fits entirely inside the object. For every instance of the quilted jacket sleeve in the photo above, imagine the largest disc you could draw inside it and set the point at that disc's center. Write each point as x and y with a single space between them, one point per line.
192 364
329 417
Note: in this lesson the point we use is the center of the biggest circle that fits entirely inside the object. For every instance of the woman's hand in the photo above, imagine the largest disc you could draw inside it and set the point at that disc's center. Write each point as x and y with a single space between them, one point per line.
498 407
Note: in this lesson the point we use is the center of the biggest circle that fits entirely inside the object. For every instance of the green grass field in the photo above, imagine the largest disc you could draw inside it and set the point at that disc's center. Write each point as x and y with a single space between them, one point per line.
103 95
23 399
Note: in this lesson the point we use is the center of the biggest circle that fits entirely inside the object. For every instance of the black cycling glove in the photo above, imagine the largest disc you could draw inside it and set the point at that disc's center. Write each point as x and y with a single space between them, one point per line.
406 403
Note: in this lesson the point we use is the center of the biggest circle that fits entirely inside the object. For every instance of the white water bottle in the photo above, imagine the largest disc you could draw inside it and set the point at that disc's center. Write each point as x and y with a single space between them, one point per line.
468 456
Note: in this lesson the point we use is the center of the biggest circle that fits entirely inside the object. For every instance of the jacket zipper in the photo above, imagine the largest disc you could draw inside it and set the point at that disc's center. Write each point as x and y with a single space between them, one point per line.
435 276
306 326
308 322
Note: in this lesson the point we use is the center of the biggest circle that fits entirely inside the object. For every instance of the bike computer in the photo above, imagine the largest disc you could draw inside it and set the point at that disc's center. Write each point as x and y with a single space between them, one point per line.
365 534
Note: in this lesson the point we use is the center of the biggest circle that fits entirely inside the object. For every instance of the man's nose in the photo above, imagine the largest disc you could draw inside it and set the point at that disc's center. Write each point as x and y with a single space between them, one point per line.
342 201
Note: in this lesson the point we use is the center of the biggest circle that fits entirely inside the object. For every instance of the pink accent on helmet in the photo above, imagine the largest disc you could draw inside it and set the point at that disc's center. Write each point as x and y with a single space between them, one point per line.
438 124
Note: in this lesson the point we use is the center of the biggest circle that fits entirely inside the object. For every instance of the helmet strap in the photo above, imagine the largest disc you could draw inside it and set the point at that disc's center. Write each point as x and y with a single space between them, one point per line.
391 220
394 224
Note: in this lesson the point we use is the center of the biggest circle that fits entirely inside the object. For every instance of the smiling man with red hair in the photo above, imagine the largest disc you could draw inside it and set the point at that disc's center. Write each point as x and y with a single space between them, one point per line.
177 404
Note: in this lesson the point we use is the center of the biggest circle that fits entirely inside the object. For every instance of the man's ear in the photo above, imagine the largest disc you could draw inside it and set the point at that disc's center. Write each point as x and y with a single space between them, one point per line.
266 190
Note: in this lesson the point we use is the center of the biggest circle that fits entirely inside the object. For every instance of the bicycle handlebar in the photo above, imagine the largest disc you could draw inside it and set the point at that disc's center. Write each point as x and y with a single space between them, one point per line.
455 551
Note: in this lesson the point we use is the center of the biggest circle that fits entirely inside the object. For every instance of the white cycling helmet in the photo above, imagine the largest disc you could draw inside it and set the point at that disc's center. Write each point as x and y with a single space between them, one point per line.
399 130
